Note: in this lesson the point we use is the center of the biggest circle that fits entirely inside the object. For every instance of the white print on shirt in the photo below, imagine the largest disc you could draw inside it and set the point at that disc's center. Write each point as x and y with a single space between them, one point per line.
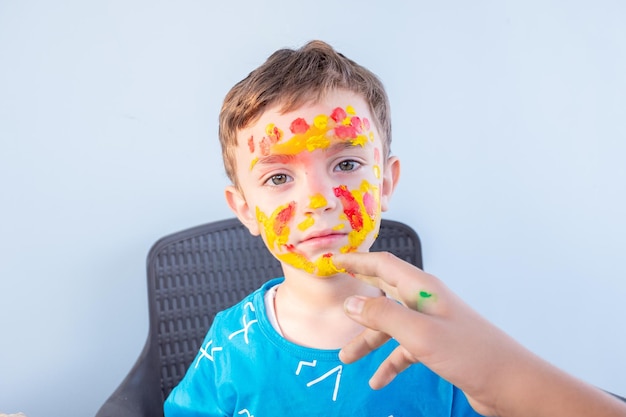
245 410
312 364
205 354
246 324
338 369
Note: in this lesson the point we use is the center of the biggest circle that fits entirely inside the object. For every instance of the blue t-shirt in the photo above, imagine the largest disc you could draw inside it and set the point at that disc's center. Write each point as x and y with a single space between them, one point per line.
245 368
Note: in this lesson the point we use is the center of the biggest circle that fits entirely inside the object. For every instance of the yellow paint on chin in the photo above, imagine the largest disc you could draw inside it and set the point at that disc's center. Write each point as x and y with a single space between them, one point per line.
326 267
322 267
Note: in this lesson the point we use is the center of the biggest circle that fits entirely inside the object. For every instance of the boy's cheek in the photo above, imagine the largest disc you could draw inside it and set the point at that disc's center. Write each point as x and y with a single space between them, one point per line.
276 227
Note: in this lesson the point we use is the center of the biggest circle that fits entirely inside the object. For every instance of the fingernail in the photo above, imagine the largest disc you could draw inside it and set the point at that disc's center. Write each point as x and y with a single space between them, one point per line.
354 305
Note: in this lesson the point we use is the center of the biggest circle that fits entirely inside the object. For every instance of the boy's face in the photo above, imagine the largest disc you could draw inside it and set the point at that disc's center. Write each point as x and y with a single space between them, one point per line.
313 181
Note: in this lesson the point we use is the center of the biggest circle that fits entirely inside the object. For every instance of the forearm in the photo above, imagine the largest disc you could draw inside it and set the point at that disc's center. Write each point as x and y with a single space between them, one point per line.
542 390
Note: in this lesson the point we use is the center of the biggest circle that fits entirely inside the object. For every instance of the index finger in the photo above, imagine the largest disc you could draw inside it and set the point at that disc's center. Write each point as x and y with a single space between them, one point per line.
397 278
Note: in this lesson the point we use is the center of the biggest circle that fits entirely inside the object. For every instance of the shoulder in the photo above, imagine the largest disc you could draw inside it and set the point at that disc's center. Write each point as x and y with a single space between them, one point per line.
243 314
252 302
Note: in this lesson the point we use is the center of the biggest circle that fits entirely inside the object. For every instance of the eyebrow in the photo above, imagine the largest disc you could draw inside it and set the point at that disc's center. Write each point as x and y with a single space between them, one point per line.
275 159
343 145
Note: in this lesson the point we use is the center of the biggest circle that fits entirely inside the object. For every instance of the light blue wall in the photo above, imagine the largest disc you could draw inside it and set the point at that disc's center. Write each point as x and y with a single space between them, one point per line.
510 118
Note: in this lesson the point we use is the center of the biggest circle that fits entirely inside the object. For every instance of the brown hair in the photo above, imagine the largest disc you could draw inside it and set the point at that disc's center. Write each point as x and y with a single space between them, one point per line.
291 78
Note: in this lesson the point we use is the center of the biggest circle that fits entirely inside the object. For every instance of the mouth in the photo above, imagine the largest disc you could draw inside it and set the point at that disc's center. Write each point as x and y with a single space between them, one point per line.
326 237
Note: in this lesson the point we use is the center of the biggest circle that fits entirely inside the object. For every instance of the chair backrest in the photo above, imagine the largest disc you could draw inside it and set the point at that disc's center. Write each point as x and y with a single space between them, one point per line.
194 274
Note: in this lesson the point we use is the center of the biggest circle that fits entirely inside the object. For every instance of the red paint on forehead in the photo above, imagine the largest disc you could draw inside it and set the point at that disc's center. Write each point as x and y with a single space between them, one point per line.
265 146
350 207
377 155
357 123
338 114
275 135
251 144
299 126
345 132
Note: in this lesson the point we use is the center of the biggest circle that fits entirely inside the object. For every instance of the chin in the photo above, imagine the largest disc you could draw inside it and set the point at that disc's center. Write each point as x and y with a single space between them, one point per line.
322 266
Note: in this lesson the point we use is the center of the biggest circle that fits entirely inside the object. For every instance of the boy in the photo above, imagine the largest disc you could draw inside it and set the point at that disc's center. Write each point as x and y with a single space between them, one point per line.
305 140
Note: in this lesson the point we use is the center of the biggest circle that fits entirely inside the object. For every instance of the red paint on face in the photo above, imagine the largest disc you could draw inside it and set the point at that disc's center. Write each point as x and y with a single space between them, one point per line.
350 207
251 144
366 123
299 126
338 114
377 155
292 249
283 218
370 204
265 146
345 132
356 122
275 135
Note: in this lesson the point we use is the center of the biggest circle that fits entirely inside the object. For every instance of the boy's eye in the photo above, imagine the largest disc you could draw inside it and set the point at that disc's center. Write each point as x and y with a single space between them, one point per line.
278 179
347 166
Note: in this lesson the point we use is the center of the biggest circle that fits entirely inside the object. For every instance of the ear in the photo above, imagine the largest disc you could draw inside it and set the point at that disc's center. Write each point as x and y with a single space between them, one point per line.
238 204
391 175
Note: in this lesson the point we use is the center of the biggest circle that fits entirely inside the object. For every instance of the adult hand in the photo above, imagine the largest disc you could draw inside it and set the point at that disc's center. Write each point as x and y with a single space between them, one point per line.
435 327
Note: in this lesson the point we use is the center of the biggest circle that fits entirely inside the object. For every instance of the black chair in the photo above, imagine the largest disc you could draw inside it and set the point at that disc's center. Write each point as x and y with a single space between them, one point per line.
192 275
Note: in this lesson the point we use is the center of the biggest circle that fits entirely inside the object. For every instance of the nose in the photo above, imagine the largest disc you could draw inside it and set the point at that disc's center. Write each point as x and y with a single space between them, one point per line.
318 195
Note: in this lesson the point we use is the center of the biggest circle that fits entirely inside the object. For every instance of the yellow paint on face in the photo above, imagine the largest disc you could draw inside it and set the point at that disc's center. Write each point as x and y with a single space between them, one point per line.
326 267
362 209
318 136
377 163
320 122
306 223
377 172
317 201
276 226
322 267
361 206
277 236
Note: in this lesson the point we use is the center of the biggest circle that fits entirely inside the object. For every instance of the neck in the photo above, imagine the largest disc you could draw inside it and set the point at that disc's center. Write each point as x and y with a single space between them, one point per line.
320 293
309 309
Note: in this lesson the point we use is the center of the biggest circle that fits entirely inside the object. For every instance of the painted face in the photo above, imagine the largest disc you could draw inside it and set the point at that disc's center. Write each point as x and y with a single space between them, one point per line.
313 179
